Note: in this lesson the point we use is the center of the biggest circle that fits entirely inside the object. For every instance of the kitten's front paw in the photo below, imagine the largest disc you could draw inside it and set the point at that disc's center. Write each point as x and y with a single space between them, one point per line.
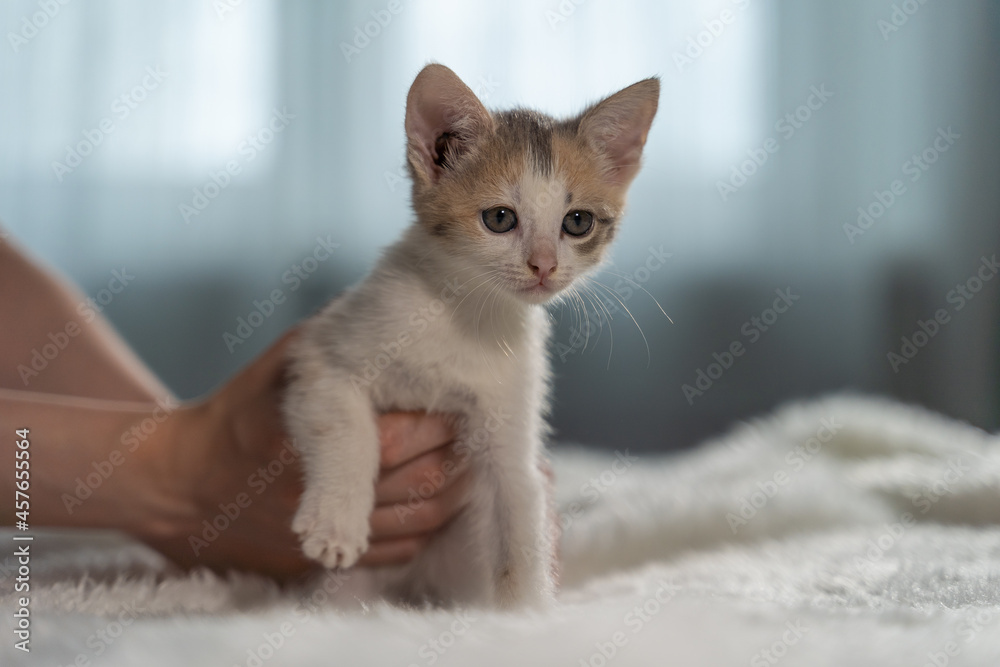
331 534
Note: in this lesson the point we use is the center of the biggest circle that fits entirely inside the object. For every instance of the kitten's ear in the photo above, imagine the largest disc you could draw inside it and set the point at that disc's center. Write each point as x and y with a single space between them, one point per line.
443 119
617 127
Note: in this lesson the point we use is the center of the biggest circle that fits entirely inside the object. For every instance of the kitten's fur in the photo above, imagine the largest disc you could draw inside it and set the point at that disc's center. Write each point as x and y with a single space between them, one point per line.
449 322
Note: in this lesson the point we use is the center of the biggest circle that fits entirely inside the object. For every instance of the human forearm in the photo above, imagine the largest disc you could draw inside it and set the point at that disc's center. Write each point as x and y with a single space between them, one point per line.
48 343
92 463
215 483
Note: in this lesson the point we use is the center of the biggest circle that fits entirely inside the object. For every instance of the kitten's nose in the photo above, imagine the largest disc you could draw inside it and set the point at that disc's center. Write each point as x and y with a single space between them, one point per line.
542 265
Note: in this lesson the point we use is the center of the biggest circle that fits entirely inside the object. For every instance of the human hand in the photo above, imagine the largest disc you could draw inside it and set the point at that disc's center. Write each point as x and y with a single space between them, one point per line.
235 479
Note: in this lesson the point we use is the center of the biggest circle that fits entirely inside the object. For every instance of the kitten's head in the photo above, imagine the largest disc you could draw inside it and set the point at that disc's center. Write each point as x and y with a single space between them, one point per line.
530 201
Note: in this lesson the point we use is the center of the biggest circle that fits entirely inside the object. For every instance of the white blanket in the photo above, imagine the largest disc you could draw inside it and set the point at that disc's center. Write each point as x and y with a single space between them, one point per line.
845 531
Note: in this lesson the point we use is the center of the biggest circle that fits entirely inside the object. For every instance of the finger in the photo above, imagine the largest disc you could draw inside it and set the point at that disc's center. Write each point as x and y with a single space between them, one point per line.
400 520
407 435
425 476
394 552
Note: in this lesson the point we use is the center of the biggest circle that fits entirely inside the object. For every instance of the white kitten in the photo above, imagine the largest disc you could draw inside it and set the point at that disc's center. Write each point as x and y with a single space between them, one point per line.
511 208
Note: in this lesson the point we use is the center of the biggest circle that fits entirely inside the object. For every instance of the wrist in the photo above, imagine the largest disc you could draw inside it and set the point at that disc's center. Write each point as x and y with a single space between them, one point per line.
168 459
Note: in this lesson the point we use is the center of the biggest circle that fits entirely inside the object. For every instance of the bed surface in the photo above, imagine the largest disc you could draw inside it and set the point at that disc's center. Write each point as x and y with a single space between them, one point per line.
841 531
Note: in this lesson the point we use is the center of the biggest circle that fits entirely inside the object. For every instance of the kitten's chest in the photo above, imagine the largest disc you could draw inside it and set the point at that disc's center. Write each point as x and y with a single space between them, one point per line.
409 348
442 370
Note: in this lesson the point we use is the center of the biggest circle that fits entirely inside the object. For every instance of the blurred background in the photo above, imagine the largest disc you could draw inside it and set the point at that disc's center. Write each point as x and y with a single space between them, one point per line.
845 154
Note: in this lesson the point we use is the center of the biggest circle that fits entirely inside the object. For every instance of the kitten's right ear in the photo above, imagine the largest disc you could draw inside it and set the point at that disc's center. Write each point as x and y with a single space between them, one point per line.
443 119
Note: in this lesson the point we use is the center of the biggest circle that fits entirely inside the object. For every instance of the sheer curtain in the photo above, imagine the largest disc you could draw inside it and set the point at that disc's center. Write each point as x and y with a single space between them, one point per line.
224 76
205 137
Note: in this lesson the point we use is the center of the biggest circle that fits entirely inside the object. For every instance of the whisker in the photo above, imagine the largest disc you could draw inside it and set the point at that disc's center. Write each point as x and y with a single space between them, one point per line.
479 275
502 340
634 283
491 299
611 329
615 296
586 318
494 324
483 282
496 286
598 314
566 299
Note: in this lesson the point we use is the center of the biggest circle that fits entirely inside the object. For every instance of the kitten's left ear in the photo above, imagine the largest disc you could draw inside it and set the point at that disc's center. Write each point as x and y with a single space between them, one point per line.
617 127
443 119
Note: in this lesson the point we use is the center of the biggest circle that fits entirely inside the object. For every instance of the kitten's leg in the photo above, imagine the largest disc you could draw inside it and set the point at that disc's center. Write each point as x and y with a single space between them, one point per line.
499 550
334 427
525 550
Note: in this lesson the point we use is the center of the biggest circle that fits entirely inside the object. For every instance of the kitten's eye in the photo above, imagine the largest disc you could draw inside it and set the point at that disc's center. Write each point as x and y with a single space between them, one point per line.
500 219
578 223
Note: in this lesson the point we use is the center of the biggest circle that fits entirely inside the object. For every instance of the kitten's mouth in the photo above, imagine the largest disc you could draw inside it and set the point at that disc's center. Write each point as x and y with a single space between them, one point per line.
537 292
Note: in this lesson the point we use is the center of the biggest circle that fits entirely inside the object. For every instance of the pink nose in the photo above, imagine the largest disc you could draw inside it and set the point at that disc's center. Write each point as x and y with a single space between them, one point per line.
542 266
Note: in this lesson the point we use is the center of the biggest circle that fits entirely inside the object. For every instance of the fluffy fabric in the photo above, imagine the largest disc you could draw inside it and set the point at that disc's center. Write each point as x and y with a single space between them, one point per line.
842 531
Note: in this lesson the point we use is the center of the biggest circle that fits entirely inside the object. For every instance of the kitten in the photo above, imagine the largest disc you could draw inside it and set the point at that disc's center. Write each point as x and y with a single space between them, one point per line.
512 207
